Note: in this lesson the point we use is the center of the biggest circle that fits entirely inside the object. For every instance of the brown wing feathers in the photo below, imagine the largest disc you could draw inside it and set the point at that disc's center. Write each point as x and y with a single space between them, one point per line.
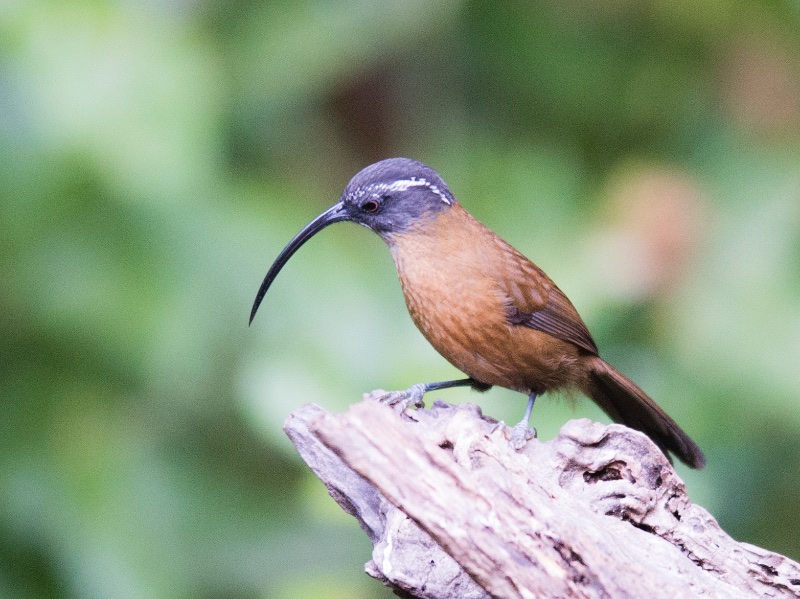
536 302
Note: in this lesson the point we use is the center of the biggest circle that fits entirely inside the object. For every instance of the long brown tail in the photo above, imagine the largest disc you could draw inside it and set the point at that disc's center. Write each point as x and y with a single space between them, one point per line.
625 403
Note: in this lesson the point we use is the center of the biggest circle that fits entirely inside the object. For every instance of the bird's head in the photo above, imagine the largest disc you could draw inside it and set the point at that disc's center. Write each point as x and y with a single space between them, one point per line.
392 195
388 197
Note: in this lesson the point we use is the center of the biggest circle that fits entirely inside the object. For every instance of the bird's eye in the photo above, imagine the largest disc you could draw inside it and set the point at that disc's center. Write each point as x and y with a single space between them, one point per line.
370 206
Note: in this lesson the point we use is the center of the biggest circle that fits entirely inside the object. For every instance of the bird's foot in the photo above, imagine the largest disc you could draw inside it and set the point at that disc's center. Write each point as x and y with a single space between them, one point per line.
399 400
521 433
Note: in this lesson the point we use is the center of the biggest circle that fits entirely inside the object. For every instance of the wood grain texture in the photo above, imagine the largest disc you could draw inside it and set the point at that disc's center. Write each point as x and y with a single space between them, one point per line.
453 511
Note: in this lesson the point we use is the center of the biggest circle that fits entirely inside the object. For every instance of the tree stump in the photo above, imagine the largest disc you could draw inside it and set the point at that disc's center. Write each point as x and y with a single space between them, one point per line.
454 512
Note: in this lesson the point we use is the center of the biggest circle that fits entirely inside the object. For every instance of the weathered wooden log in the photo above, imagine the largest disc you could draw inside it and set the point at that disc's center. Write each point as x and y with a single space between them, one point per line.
454 512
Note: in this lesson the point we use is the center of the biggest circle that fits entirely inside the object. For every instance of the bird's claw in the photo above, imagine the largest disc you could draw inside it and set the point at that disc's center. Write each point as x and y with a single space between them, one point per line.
521 433
399 400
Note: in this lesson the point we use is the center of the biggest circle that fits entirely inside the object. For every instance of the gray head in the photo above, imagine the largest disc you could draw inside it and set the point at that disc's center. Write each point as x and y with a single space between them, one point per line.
387 197
393 194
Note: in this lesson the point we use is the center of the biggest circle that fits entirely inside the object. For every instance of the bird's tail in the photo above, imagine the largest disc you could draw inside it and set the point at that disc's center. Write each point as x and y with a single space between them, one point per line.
625 403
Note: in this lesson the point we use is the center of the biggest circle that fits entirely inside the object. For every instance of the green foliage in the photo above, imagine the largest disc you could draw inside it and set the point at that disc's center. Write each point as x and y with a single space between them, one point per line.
155 157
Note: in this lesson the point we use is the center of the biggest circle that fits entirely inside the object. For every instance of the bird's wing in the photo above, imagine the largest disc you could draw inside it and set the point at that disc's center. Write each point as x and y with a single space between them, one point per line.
536 302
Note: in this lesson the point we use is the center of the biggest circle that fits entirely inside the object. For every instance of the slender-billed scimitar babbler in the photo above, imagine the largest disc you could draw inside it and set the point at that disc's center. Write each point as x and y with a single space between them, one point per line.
484 306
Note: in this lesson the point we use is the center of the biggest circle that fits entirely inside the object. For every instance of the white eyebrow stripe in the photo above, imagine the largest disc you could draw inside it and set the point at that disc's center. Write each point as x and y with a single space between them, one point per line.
404 184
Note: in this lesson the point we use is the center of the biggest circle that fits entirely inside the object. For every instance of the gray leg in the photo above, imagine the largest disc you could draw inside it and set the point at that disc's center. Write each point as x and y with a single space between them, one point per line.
413 395
521 432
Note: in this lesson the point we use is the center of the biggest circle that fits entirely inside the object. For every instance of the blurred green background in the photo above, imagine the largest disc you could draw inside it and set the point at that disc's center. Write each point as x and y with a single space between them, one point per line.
155 156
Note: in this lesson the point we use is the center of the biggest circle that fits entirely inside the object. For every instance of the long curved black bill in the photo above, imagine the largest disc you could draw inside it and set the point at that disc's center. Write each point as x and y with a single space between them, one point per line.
334 214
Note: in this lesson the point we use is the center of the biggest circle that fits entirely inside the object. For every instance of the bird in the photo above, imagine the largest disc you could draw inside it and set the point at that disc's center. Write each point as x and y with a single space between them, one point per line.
482 305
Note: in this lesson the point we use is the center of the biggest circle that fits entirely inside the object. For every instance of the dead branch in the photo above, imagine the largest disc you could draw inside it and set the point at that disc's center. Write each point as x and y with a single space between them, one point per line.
454 512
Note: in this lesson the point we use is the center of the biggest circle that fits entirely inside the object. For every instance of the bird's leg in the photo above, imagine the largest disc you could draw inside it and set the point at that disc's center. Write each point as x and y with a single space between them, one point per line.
413 395
522 432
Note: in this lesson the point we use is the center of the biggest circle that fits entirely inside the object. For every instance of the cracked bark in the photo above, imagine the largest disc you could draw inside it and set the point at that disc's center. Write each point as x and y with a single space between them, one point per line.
453 511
